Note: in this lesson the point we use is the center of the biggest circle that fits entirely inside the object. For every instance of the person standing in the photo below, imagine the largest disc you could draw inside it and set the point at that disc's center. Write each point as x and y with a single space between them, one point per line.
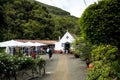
47 50
33 55
50 53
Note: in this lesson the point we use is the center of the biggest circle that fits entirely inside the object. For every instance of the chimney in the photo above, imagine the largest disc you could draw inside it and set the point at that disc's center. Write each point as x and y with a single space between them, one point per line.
59 38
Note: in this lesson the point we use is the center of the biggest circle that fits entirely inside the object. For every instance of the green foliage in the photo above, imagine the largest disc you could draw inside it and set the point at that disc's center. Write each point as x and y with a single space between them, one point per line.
104 53
100 71
55 10
64 23
100 25
40 62
115 72
8 63
14 63
100 22
105 64
77 53
26 62
83 48
25 20
28 19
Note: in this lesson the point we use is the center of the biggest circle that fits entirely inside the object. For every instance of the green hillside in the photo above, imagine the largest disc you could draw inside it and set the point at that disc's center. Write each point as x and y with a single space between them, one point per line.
28 19
55 10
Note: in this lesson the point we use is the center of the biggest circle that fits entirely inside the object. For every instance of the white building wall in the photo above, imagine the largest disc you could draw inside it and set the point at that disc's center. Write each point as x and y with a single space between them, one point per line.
66 38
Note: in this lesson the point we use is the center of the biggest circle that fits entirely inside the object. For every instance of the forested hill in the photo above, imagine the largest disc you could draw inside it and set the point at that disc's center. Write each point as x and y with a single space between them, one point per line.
29 19
55 10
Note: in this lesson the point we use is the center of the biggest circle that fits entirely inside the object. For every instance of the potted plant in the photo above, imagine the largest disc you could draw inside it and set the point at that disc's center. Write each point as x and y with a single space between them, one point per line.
77 54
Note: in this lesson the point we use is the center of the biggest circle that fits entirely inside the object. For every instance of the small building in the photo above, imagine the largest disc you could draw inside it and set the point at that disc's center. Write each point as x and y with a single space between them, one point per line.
64 44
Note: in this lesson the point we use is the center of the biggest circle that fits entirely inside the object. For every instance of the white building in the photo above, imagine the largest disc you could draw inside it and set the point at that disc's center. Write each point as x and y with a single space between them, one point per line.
64 44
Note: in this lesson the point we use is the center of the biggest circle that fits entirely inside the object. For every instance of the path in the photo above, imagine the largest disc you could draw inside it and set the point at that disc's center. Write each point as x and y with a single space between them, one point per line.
64 67
62 71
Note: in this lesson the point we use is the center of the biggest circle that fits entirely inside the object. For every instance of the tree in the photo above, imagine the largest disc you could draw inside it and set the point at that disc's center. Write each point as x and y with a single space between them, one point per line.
29 19
100 23
2 22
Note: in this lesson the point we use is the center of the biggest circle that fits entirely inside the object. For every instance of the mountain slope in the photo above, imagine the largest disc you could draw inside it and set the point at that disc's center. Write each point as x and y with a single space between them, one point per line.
55 10
28 19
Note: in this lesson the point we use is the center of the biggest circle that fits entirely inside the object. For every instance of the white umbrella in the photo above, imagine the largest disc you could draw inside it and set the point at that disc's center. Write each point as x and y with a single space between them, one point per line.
28 44
10 43
38 44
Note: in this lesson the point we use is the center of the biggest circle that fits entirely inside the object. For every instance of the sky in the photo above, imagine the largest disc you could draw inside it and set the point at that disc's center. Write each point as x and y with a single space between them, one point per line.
74 7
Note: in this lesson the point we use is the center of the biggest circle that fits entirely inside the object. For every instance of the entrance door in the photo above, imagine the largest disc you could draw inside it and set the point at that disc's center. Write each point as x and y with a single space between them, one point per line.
67 47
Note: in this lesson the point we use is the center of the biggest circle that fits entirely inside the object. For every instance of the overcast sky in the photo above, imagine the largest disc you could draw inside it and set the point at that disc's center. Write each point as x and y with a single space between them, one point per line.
74 7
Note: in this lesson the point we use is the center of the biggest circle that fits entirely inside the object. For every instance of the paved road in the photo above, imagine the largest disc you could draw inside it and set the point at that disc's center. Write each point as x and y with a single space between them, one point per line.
62 71
64 67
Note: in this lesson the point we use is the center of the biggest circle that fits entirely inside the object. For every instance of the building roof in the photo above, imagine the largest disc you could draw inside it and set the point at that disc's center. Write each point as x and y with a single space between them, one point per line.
67 38
39 41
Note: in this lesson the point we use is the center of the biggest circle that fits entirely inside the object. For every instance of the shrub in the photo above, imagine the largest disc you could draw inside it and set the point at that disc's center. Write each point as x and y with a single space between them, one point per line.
13 63
77 54
26 62
40 62
82 48
105 64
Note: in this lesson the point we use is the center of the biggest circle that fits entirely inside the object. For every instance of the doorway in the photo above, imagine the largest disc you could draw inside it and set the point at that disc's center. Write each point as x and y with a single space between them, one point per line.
67 47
